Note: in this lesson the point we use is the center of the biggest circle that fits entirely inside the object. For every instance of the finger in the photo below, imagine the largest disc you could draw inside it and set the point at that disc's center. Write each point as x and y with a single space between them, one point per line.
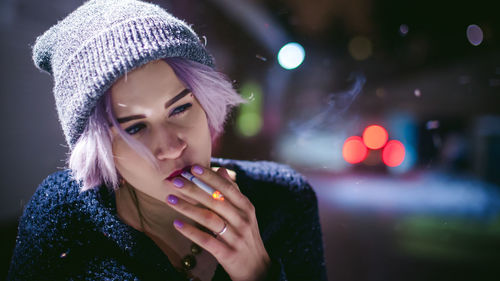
225 186
223 172
204 217
225 209
217 248
230 175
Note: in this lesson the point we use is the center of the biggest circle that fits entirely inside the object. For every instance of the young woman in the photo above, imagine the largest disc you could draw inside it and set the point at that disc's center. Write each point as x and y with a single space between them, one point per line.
140 104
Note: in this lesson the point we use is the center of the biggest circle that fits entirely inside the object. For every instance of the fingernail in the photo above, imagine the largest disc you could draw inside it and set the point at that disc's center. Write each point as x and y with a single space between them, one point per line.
178 224
172 199
178 183
197 169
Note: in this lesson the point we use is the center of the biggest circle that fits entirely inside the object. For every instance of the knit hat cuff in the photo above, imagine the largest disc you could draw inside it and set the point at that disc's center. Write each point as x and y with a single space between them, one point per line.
113 52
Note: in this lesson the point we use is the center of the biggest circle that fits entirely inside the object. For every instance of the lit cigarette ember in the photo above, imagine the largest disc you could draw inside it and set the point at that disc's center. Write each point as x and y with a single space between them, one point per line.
214 193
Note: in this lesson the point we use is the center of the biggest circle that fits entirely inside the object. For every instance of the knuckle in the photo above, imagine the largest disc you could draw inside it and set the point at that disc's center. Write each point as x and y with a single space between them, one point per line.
250 207
246 227
182 207
228 186
245 202
243 225
208 216
190 232
206 240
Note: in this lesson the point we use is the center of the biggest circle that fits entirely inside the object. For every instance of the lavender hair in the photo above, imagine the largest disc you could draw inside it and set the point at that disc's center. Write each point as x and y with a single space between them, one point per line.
91 160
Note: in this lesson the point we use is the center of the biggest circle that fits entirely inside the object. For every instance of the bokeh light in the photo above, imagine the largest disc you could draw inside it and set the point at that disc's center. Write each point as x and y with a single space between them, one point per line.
249 123
291 55
375 136
474 34
403 29
249 119
360 48
354 151
417 93
432 124
393 153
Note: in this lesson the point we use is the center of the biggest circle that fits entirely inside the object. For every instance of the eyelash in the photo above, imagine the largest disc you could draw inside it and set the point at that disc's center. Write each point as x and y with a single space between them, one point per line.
176 112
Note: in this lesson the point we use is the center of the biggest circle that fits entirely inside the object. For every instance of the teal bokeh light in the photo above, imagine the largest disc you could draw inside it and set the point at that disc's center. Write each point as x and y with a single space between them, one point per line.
291 55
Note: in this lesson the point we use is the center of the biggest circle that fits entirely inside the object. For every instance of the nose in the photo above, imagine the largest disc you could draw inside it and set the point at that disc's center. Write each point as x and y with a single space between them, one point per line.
168 144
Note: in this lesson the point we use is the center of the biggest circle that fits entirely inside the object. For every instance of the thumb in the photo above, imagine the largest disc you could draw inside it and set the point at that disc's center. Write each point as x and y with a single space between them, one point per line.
223 172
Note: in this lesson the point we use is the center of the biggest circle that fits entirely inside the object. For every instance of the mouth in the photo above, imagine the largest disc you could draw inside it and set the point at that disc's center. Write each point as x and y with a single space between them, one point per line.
178 172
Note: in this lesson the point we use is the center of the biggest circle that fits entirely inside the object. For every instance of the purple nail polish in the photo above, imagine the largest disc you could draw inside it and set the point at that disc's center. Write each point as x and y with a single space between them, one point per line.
178 183
178 224
172 199
197 169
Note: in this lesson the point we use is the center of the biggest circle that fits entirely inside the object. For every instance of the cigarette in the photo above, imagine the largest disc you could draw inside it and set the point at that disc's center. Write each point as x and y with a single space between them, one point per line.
205 187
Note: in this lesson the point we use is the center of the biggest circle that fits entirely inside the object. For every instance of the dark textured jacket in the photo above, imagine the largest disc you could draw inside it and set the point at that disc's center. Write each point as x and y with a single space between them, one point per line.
66 234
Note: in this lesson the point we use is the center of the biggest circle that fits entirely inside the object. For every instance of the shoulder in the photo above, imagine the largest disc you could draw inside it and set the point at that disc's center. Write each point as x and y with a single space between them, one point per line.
58 188
57 200
53 219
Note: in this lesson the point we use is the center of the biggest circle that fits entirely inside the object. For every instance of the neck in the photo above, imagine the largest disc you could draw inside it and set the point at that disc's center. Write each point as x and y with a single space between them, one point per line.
145 213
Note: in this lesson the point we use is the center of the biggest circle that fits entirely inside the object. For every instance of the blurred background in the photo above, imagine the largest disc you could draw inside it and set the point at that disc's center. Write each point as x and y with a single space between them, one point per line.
391 109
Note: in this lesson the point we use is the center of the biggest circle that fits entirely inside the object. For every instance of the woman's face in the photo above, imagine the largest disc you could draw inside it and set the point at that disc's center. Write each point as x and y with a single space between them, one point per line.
154 107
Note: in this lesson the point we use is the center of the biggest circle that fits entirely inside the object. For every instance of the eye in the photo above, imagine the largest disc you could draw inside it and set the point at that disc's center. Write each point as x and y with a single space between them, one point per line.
180 109
132 130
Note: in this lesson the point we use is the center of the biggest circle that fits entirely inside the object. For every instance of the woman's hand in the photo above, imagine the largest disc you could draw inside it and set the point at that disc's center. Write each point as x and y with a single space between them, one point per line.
239 249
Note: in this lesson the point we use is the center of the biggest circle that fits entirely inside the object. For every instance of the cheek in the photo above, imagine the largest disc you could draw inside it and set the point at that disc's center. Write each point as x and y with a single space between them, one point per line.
138 172
199 134
127 161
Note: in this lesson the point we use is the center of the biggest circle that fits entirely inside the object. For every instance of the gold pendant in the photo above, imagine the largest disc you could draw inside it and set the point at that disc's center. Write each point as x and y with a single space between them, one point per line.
188 262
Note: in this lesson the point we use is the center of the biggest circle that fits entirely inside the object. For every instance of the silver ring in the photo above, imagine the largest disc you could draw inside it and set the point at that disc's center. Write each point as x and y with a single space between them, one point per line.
223 230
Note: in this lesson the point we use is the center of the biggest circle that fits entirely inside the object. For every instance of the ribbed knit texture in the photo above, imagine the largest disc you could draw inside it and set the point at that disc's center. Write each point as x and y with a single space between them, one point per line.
67 235
101 41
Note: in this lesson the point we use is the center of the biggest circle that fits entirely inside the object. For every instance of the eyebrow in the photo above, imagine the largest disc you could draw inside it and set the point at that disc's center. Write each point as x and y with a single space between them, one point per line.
167 104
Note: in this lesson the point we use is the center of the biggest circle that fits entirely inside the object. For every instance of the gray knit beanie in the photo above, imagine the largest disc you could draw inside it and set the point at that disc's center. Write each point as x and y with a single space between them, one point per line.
99 42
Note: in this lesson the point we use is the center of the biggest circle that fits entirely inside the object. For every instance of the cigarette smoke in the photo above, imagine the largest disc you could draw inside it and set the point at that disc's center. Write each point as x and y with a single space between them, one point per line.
336 105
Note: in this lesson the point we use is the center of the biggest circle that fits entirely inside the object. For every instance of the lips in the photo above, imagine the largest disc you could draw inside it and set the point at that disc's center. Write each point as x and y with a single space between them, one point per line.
178 172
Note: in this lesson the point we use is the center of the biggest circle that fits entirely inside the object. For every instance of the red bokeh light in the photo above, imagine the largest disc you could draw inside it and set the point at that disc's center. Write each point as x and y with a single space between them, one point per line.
354 151
375 136
393 153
